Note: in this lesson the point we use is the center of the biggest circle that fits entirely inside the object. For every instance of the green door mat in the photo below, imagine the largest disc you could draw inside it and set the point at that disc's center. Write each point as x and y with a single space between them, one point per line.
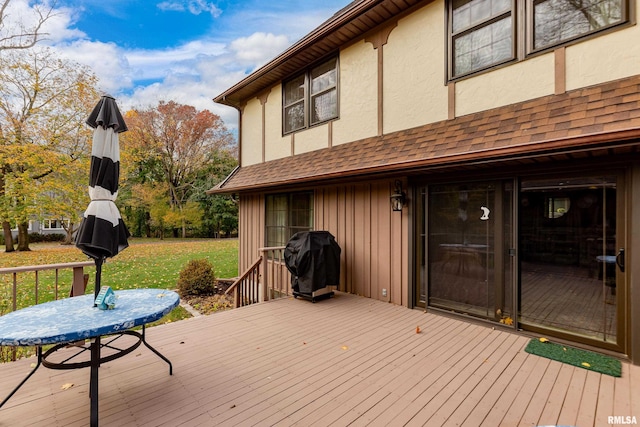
576 357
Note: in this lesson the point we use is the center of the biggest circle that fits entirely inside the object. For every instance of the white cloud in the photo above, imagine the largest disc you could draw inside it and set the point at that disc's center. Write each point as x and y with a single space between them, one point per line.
258 48
107 61
195 7
21 14
192 73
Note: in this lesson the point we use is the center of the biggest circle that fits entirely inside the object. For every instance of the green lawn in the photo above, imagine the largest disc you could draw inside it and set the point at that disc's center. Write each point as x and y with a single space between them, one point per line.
146 263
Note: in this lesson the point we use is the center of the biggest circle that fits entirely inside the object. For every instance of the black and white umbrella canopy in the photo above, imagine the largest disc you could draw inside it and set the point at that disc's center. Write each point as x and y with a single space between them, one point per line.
102 233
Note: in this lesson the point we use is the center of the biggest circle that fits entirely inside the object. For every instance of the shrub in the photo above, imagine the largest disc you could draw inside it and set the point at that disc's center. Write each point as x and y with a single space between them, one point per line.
196 278
44 238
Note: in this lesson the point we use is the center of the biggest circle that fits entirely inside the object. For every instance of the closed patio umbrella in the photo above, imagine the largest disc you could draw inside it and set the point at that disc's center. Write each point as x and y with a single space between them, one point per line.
102 233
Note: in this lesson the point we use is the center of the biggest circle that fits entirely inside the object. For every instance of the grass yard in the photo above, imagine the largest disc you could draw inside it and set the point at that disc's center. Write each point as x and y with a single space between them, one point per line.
146 263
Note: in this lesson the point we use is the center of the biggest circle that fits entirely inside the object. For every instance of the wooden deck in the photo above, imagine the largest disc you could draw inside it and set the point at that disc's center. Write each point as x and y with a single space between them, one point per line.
345 361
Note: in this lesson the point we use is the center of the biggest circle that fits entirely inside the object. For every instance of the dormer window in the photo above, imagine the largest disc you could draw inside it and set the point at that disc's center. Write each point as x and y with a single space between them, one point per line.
310 98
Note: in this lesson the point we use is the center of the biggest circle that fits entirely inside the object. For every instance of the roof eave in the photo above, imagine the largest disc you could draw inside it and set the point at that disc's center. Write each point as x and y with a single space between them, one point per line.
567 145
263 76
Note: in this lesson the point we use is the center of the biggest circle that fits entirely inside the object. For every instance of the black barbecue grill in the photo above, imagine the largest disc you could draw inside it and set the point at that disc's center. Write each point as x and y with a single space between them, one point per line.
313 258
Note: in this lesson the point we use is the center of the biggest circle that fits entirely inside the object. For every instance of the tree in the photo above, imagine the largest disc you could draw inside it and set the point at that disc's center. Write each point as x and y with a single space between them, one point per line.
220 212
18 31
44 101
173 143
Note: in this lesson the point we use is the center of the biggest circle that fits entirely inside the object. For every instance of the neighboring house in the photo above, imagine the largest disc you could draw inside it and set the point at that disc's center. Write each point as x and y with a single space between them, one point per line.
45 227
513 128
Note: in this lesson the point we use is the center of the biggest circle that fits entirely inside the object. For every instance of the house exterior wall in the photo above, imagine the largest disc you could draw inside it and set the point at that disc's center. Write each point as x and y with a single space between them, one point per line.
312 139
594 61
414 93
518 82
250 229
414 90
251 147
358 94
589 62
398 82
373 239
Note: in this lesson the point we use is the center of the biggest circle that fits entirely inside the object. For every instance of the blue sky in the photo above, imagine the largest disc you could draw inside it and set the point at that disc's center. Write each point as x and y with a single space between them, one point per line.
187 51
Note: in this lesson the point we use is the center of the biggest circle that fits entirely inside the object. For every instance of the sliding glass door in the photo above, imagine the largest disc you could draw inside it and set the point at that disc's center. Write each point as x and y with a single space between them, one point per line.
468 249
572 257
542 254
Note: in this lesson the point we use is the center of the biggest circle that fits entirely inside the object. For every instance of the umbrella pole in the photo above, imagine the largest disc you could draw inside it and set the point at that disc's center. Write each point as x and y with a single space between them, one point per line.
99 262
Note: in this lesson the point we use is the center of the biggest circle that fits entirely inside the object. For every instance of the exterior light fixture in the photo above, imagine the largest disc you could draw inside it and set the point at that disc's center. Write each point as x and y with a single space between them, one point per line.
398 198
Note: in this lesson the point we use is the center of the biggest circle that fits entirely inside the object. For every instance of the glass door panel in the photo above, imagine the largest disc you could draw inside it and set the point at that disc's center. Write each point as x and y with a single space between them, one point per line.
466 229
568 249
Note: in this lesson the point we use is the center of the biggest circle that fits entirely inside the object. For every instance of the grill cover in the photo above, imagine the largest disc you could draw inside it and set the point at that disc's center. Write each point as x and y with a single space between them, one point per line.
313 258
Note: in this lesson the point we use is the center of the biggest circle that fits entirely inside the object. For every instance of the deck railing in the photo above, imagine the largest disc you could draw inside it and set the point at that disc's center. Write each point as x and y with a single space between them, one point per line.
11 288
246 289
277 278
267 278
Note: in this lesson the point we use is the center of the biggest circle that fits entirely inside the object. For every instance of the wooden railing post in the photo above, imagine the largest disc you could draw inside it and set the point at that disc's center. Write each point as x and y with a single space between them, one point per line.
264 283
78 285
260 286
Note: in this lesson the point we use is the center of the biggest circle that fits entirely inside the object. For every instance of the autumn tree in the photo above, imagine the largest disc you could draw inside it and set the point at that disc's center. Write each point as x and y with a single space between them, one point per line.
220 211
170 145
44 101
20 30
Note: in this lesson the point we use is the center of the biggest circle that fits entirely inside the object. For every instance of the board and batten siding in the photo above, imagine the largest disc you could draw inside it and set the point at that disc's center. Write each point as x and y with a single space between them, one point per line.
374 240
251 229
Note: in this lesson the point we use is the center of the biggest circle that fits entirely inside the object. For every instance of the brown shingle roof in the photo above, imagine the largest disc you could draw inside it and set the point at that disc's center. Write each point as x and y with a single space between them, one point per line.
578 120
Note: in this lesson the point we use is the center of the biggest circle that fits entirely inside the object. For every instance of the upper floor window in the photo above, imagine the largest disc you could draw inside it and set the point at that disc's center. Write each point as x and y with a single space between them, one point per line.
311 98
481 34
484 33
556 21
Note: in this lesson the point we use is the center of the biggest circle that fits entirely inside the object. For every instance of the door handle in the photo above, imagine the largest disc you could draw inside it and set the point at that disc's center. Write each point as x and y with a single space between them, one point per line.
620 259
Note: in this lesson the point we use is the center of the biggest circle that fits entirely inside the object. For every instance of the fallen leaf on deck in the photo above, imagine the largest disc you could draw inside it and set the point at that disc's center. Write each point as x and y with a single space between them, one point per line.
66 386
506 320
344 347
417 329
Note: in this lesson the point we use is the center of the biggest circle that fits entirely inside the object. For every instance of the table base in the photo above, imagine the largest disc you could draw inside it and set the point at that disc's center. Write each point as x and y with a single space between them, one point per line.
95 361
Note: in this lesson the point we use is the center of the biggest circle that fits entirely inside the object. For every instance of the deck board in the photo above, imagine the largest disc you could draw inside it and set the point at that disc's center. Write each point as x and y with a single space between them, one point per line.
345 361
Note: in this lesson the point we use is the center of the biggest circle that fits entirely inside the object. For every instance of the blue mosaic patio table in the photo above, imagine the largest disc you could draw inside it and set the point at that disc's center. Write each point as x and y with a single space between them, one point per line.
76 319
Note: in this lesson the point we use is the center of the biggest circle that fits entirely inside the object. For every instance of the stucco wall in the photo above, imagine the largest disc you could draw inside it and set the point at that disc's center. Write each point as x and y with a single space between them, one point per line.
276 146
312 139
358 94
595 61
251 133
414 89
518 82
